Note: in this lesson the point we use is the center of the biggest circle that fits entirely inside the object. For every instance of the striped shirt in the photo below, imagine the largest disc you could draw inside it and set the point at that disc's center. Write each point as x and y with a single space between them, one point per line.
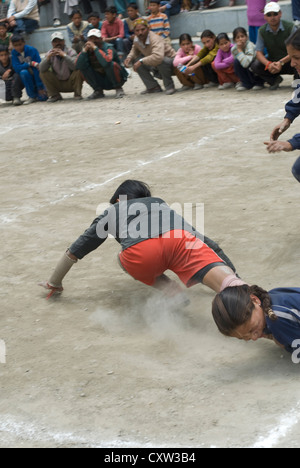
286 305
159 24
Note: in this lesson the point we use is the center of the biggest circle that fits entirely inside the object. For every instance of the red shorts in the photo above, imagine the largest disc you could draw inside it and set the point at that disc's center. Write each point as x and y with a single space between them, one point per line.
178 251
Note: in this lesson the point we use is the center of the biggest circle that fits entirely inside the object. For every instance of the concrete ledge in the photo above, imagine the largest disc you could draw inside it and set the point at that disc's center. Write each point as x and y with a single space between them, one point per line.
219 20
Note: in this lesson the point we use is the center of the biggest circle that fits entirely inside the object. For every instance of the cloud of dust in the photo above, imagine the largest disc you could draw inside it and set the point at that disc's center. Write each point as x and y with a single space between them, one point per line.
163 317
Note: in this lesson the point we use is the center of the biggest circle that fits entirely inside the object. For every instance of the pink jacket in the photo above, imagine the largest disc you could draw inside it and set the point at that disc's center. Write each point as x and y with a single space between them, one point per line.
181 58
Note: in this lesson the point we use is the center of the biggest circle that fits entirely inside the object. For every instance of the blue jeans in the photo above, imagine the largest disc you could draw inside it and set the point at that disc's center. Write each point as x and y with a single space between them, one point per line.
296 169
33 84
175 10
26 25
118 45
296 9
246 76
121 6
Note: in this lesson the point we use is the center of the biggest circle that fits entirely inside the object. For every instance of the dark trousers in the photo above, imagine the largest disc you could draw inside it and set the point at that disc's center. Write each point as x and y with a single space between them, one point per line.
296 169
13 87
210 74
258 69
87 7
246 76
111 79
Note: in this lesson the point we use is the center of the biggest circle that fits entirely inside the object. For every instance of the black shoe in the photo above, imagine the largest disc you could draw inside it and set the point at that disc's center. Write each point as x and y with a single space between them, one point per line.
96 95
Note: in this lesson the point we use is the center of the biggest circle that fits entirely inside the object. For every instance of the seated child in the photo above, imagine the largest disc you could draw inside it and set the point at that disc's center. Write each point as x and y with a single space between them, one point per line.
25 62
5 36
249 313
77 31
94 21
113 31
158 22
13 82
244 53
184 55
133 14
223 64
201 64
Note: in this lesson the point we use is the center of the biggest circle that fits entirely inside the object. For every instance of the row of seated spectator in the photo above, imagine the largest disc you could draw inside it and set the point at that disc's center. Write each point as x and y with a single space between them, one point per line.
218 63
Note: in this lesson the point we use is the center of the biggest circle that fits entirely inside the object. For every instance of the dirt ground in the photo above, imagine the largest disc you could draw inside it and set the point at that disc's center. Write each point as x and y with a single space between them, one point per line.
108 364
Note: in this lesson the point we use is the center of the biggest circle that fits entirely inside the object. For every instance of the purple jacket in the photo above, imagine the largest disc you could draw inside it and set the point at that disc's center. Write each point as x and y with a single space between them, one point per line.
224 59
255 12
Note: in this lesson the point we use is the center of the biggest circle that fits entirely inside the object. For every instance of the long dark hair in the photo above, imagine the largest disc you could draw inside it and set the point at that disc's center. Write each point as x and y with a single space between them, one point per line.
294 40
132 189
233 307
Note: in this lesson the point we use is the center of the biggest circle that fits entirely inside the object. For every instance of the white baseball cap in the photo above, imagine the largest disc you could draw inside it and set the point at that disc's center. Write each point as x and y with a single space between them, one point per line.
57 35
272 7
95 33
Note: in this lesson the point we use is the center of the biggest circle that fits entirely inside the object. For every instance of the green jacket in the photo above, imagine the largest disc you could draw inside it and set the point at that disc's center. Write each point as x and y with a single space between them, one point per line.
102 60
275 43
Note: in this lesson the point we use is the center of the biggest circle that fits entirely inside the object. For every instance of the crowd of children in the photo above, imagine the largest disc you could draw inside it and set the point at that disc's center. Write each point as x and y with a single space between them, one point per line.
220 62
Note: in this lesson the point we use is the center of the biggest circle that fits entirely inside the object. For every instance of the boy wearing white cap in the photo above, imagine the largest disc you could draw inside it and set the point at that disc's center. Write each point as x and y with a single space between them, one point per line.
58 70
101 67
272 37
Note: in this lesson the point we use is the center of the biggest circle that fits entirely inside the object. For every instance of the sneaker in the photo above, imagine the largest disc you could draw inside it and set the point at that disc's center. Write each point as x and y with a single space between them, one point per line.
186 88
238 84
119 93
257 88
241 88
30 101
96 95
56 23
55 98
170 91
211 84
226 86
17 101
197 86
157 89
276 84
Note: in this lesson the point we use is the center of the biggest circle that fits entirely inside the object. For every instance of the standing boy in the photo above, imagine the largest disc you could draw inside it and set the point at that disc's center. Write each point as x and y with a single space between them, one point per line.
112 31
25 61
13 82
133 15
158 22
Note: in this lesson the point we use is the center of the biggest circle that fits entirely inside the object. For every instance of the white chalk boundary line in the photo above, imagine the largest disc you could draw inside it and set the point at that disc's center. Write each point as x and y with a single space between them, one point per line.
279 432
5 219
28 432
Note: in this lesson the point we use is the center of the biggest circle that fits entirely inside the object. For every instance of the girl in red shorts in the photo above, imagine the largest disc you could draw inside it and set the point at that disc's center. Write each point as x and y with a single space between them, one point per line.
154 238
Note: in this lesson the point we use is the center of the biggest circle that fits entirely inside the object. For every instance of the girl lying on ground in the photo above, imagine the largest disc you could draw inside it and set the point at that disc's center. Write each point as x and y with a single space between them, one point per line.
249 313
154 239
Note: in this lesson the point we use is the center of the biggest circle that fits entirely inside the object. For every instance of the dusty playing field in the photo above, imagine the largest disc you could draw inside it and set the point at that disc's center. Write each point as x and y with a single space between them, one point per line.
107 364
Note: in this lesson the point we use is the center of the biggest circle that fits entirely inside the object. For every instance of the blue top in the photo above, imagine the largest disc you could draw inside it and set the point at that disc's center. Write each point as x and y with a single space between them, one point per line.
292 109
285 303
20 63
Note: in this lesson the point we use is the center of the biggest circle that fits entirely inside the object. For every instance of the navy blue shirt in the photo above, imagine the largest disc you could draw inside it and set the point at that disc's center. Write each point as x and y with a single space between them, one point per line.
285 303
